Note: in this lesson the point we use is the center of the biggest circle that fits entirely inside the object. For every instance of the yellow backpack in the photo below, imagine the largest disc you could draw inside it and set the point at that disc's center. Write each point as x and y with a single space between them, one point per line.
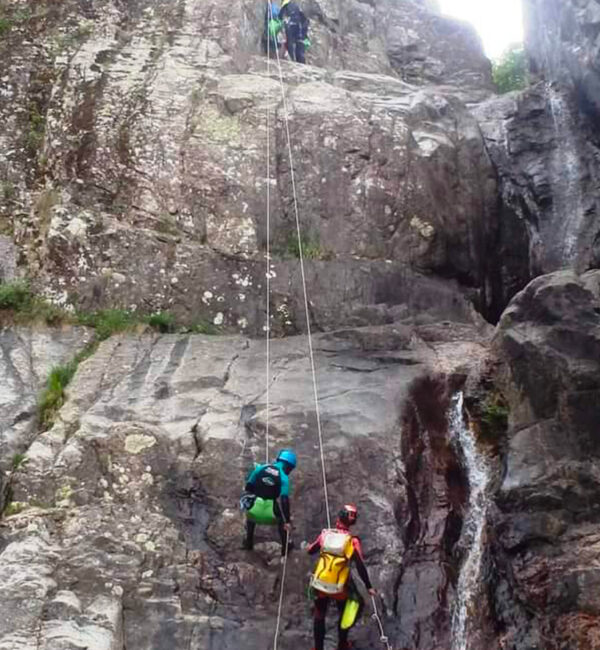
333 568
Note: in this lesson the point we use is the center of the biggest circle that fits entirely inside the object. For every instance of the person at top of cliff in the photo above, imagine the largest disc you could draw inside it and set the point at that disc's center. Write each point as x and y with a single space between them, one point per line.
296 30
331 579
266 499
270 39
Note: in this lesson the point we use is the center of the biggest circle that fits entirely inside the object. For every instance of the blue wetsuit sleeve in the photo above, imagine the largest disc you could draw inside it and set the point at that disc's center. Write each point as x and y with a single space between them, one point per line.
285 485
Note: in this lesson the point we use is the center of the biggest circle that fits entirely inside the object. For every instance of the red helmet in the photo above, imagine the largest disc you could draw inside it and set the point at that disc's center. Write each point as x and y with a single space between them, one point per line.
348 514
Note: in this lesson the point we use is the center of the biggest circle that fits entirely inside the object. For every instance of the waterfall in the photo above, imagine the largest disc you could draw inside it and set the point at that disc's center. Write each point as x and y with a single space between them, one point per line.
565 175
478 470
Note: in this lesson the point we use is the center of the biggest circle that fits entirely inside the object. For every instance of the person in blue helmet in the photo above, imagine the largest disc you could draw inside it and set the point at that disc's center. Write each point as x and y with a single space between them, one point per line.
267 498
270 40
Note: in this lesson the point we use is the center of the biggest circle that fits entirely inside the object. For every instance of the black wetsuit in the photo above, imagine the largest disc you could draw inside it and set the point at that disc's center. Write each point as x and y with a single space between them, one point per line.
296 30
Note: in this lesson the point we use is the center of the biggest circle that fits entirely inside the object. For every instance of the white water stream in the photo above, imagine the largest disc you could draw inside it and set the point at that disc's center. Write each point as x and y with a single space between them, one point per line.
478 470
566 174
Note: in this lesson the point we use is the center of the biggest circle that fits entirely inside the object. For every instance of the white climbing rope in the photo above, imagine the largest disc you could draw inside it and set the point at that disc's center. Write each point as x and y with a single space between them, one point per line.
279 608
302 272
268 254
382 637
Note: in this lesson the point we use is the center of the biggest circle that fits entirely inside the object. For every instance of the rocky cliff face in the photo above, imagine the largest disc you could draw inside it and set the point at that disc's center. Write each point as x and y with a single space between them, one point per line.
135 169
544 142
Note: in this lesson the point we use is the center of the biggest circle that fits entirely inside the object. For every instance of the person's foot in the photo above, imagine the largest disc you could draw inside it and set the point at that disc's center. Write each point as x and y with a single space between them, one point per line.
345 646
247 545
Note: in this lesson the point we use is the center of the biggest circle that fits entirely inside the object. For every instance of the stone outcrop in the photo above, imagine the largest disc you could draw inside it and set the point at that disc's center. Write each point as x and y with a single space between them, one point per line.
546 154
430 516
125 532
544 143
137 167
26 357
546 527
134 173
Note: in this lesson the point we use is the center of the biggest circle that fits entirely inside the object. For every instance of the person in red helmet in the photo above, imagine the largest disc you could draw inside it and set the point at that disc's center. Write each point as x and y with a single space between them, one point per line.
338 549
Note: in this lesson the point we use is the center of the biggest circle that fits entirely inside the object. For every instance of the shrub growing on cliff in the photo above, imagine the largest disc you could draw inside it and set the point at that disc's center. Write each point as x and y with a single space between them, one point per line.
311 247
163 321
15 295
54 395
509 72
494 418
107 322
18 298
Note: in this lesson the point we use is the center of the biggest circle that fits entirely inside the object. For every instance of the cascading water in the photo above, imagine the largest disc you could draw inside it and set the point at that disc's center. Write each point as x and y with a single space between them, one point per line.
479 473
566 174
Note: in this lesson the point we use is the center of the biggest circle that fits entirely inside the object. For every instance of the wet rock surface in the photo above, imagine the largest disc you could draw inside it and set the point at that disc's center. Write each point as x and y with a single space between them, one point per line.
128 533
546 153
133 171
563 43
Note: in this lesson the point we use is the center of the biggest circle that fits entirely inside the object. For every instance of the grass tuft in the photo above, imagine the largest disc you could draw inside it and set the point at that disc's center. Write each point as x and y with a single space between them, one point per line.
107 322
54 395
493 422
162 321
19 460
311 248
16 295
201 327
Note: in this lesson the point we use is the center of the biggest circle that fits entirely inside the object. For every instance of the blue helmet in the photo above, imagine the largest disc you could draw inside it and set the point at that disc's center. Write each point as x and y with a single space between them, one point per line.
288 456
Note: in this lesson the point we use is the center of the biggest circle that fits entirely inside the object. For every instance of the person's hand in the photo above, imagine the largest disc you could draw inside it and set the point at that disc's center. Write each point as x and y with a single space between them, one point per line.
287 527
372 592
303 545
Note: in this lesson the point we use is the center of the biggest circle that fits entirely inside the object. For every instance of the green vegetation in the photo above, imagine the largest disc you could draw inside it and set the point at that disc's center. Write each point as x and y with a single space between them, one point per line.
10 20
37 129
107 322
163 321
510 72
74 37
494 418
166 224
5 25
9 191
15 295
311 248
19 460
19 298
54 395
14 508
201 327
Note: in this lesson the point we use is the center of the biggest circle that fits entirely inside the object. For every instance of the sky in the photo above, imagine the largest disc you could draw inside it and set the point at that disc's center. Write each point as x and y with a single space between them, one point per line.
499 22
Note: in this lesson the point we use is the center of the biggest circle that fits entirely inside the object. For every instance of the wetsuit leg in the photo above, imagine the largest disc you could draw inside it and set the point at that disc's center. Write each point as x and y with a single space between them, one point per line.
292 35
300 49
249 541
342 634
320 612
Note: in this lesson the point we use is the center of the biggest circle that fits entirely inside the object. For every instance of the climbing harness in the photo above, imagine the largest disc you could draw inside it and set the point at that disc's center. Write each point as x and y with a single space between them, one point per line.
375 616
